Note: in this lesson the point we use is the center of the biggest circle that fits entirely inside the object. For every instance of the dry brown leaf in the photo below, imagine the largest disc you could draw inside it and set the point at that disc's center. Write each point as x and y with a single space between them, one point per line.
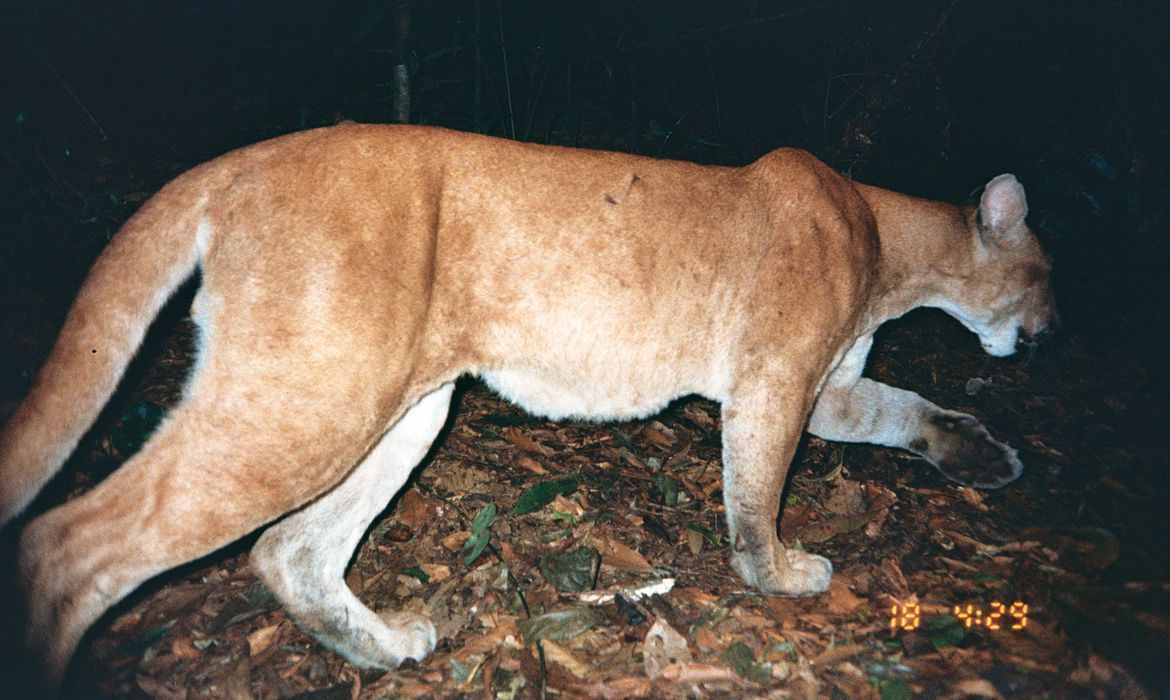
569 506
411 688
526 462
454 541
261 639
1038 642
159 690
840 600
488 641
631 458
694 542
835 655
679 455
976 687
973 498
237 684
126 622
508 553
656 437
873 528
707 640
662 647
846 498
825 530
619 688
889 579
619 556
664 429
413 509
794 518
744 619
517 437
1153 620
700 673
353 579
700 417
559 654
695 595
1039 445
436 572
959 565
182 649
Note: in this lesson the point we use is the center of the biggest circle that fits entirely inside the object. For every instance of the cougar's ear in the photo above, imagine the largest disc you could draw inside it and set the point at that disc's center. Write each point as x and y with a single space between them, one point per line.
1002 209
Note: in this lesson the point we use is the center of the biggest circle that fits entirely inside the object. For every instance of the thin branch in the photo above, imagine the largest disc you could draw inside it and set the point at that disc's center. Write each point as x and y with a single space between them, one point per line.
507 74
69 90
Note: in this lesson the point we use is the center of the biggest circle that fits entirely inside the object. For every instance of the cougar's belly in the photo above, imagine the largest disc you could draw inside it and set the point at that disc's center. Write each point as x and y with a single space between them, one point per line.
602 391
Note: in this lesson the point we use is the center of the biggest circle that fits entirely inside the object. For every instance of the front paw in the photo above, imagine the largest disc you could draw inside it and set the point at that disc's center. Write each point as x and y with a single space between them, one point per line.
799 574
965 452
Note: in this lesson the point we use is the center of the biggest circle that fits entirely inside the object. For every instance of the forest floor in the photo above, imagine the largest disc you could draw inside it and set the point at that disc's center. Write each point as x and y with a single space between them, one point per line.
1071 562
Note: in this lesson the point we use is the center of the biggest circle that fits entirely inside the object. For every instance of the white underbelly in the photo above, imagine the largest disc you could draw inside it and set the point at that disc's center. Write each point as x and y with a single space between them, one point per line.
559 394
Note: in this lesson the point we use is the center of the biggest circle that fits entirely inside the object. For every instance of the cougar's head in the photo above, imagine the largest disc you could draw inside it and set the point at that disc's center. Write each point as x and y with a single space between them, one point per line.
1008 296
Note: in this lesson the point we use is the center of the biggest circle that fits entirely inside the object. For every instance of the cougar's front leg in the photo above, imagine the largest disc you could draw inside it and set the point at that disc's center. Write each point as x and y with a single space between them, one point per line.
761 426
851 408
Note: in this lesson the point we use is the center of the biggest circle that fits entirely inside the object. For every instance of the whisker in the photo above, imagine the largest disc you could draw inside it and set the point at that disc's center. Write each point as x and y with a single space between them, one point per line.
1032 345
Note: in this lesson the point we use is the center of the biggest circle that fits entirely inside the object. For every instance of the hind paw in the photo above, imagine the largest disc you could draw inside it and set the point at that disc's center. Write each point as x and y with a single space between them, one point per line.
414 635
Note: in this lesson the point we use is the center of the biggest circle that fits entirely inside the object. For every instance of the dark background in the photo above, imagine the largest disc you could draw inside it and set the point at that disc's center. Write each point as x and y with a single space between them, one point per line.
102 103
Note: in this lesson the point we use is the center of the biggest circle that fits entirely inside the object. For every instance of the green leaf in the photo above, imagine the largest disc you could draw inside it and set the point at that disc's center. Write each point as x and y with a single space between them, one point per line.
741 659
668 487
567 518
480 533
944 631
558 626
543 493
484 519
474 546
417 573
896 690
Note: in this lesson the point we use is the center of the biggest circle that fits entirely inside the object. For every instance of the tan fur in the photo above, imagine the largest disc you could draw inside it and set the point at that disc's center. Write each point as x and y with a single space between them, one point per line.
351 274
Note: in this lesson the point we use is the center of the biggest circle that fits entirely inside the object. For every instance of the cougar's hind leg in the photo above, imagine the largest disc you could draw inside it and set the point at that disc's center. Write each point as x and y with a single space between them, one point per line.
303 557
207 477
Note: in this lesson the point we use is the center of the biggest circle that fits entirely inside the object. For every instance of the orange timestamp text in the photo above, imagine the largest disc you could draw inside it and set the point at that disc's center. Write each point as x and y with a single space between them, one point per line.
998 616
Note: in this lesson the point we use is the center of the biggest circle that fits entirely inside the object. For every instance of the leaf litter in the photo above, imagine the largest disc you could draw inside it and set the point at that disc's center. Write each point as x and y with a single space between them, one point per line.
646 500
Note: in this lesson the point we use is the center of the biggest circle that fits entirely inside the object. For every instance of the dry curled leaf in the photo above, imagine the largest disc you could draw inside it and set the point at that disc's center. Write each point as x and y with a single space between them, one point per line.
261 639
558 654
519 439
662 647
619 556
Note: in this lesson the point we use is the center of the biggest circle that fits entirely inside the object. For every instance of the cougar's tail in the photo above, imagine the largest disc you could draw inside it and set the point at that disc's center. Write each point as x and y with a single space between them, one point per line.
138 271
